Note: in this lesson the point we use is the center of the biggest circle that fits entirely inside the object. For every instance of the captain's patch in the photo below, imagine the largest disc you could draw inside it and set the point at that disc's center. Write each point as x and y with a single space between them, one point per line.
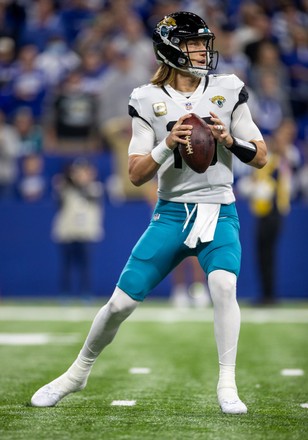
160 108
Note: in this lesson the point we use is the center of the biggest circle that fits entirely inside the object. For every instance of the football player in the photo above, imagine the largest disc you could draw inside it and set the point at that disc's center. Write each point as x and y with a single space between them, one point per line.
195 213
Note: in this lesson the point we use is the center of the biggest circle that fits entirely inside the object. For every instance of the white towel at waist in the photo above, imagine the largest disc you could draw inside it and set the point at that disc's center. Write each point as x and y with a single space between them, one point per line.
204 225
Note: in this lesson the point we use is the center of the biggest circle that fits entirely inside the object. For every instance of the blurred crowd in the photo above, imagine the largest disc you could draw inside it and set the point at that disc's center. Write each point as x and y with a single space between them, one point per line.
67 68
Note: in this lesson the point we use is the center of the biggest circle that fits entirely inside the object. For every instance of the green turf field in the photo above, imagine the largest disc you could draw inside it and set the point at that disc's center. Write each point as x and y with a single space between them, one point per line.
176 399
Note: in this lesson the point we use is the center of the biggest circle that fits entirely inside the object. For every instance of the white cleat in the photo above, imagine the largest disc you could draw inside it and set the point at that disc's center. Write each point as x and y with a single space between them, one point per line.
230 403
53 392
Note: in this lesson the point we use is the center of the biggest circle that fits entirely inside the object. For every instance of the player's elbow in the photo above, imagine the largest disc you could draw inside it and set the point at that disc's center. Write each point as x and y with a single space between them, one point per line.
136 180
133 173
139 171
261 162
261 158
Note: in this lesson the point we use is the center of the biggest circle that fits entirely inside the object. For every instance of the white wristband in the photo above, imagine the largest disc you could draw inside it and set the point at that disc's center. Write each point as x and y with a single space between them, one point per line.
161 152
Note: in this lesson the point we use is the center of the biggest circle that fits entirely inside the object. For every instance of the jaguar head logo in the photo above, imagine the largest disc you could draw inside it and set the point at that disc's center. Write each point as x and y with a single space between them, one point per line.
218 100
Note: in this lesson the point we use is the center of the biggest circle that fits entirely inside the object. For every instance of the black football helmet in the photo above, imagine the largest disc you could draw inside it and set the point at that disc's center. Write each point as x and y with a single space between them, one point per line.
179 27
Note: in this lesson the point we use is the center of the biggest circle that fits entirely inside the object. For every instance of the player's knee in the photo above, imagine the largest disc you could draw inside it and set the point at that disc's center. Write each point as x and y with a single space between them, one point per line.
115 309
120 305
222 285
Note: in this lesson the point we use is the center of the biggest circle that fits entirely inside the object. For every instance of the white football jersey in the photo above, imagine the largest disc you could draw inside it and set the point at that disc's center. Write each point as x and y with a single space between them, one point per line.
160 108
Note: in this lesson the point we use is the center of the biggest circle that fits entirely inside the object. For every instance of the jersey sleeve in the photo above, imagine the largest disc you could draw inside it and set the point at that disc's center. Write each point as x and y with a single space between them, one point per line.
243 126
142 140
136 107
242 97
140 109
240 91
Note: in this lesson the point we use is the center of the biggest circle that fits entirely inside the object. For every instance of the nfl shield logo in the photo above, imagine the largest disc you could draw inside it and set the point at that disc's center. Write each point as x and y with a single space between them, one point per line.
188 105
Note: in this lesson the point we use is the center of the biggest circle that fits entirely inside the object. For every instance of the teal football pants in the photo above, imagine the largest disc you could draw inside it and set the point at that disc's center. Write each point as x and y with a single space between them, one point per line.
161 248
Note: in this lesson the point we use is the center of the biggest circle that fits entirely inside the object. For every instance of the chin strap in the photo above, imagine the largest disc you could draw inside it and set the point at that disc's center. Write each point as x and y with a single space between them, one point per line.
199 73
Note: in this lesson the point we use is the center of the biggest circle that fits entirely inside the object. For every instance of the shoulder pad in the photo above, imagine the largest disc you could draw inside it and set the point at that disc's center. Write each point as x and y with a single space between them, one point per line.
228 81
139 92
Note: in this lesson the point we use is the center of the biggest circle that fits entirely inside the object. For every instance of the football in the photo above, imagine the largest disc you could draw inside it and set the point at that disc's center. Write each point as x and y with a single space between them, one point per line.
199 152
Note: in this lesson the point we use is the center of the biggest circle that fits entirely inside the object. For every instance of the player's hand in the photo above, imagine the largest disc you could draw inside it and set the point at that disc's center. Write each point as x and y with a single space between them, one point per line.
220 131
179 132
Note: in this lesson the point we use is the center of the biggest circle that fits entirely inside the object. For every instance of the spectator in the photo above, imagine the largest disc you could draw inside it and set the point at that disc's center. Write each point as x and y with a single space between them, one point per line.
296 59
32 183
269 191
8 70
301 177
231 59
114 121
273 105
302 137
76 15
42 21
8 158
77 224
133 36
119 9
93 69
252 24
28 87
95 36
12 17
7 61
285 19
30 136
71 120
262 31
57 59
268 61
302 182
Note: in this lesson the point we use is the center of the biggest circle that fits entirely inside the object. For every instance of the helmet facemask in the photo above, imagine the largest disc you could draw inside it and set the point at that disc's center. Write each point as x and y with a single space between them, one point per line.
211 58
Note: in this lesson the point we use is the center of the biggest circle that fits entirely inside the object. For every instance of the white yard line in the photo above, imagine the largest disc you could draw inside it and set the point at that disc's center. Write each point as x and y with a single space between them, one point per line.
292 372
36 339
123 403
140 370
150 314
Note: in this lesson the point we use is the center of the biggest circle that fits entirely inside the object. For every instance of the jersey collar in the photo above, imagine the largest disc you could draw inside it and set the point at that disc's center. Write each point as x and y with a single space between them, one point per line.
170 91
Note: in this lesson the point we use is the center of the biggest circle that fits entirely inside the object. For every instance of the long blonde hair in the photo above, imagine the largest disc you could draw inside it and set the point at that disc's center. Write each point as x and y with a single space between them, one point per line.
164 75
